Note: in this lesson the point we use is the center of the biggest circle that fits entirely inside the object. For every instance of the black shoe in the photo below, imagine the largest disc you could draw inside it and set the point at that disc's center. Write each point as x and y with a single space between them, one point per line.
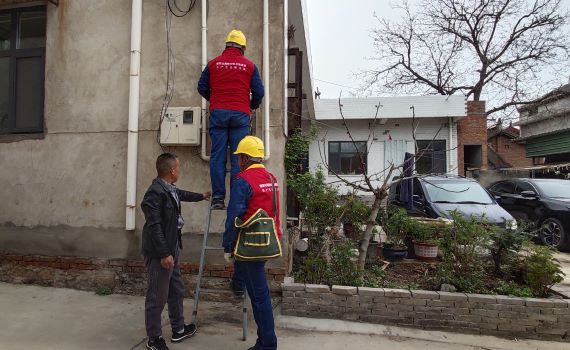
189 330
157 344
238 292
218 203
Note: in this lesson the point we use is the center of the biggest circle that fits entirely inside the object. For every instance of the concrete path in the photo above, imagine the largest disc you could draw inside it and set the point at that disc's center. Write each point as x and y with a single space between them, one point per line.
34 317
564 286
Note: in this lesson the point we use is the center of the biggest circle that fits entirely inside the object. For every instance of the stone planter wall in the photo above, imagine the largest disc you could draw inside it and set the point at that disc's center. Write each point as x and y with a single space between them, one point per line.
121 276
460 312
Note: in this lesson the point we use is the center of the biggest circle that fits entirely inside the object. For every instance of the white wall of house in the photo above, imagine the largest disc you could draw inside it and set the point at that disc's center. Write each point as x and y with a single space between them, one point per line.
381 150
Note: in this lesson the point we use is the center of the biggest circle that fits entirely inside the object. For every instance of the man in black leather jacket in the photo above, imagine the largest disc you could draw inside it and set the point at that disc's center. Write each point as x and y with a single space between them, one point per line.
161 245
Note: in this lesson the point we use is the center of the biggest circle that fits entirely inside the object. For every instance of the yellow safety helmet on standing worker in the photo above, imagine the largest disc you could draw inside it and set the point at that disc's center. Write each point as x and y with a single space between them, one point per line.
252 146
236 37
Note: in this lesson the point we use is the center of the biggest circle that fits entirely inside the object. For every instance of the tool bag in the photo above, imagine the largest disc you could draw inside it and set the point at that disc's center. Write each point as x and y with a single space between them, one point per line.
257 237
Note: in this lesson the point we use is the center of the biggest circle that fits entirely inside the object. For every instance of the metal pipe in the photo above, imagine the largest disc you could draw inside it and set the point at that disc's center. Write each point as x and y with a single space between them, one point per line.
266 125
285 65
450 144
133 126
203 154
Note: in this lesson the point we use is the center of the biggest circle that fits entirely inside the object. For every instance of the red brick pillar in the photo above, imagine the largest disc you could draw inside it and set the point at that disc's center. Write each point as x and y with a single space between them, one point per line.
472 130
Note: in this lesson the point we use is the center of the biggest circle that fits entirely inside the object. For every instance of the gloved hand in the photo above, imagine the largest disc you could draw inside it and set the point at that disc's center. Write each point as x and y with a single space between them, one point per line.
228 257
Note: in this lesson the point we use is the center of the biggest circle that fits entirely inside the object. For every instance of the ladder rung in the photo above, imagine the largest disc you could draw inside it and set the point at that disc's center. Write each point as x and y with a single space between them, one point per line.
209 247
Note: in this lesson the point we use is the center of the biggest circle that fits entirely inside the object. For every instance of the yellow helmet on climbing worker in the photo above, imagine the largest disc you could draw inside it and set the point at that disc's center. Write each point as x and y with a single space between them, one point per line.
252 146
236 37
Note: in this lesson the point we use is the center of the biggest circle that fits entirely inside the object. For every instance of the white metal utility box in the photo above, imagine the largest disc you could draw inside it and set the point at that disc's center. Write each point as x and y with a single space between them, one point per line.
181 126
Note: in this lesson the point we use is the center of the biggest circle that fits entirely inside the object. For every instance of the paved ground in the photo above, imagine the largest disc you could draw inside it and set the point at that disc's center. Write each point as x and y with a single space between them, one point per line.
34 317
564 286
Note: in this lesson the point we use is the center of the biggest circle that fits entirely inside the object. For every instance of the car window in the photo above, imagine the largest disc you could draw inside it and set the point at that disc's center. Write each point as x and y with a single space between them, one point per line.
418 189
504 187
457 192
524 186
554 188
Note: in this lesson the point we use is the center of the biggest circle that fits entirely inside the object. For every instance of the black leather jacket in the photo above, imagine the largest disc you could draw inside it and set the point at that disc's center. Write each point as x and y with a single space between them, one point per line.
160 232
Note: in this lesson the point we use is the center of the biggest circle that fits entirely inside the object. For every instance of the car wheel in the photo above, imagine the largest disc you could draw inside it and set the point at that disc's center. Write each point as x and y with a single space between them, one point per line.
552 233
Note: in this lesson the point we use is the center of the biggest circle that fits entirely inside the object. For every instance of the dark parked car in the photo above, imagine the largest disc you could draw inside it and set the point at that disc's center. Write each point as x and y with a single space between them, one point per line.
545 202
437 195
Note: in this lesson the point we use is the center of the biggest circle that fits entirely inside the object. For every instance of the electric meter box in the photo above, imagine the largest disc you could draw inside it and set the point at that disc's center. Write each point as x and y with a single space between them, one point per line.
181 126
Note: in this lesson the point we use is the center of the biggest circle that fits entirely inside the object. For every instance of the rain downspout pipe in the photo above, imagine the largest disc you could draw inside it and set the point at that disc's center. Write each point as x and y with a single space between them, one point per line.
203 154
266 137
133 126
450 144
285 65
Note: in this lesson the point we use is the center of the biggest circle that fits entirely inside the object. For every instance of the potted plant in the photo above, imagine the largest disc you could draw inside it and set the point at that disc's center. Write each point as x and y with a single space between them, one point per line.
396 226
425 236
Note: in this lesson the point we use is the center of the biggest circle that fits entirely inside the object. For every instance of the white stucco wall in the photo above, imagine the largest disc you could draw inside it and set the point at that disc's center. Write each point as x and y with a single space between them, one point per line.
400 130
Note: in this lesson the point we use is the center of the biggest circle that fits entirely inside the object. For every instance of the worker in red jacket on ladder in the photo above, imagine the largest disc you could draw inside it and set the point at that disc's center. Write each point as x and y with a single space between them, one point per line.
252 190
234 88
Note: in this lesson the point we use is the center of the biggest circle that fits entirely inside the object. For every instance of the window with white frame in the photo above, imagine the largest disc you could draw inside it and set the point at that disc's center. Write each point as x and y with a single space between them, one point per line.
347 157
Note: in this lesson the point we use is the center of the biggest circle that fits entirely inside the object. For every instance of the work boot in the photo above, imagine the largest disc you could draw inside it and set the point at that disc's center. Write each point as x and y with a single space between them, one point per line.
218 203
156 344
238 291
189 330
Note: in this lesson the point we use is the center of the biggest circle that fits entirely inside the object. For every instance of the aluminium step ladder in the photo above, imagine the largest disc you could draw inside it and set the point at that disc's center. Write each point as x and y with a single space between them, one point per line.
199 290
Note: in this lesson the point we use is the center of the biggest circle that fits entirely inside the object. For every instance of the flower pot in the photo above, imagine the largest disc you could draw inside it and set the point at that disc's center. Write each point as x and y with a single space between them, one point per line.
425 251
394 253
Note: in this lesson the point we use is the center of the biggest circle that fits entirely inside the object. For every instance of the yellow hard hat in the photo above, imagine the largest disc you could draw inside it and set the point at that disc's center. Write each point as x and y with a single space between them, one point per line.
252 146
237 37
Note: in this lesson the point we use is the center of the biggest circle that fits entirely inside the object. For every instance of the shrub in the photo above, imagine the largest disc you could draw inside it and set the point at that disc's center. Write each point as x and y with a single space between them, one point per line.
505 246
396 225
461 247
343 268
423 232
318 202
314 269
513 289
542 270
356 212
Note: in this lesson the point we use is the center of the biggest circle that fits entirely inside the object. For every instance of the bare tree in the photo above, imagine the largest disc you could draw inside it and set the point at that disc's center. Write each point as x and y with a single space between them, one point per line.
492 48
376 184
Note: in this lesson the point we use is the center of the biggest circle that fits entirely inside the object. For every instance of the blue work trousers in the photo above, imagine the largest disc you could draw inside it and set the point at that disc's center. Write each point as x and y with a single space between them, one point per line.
227 128
253 274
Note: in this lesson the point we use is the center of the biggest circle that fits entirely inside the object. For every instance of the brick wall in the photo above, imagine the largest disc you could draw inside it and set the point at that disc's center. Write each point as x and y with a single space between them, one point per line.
122 276
472 130
512 153
459 312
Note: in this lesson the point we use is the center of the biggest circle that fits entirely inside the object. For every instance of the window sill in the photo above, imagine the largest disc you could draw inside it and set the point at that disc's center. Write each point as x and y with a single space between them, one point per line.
9 138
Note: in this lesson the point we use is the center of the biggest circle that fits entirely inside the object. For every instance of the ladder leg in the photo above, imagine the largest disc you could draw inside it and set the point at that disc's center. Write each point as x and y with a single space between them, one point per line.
202 260
244 316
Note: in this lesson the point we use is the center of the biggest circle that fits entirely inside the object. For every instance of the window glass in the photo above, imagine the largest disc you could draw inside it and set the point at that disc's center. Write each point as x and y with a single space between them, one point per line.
554 188
4 92
32 29
524 186
5 30
344 157
22 63
29 101
431 157
457 192
505 187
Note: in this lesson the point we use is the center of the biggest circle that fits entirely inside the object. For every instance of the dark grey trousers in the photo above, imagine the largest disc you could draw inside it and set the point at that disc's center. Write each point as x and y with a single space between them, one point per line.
164 285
